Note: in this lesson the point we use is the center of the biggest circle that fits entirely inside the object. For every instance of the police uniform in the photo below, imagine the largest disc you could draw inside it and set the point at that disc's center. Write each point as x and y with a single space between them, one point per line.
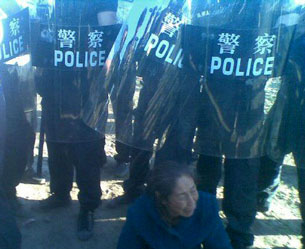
71 143
297 119
2 125
10 236
19 137
18 140
289 115
159 95
232 106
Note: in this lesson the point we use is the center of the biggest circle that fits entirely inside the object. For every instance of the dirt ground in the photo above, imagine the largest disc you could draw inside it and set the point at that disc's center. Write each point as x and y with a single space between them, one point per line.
279 228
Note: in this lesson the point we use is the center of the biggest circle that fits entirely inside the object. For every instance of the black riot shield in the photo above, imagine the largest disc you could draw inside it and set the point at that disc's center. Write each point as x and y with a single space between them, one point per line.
144 77
15 46
286 121
19 138
14 34
298 120
69 48
239 49
17 82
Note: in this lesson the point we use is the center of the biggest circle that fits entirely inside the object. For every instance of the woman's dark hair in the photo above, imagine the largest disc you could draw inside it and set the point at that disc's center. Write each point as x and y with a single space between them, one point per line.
163 178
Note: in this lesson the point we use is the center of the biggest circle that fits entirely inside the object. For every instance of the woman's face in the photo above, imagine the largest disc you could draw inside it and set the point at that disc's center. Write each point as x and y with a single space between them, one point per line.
183 200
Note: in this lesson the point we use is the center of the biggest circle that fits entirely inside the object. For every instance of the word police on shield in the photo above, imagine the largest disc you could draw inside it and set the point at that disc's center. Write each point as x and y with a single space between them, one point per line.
15 35
239 54
74 47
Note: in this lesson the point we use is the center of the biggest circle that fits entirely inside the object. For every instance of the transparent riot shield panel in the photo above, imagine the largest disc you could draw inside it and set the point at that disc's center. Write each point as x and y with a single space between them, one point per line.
239 50
144 78
70 43
290 125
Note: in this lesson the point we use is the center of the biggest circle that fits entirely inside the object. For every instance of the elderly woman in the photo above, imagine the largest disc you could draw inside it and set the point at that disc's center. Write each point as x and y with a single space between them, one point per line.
173 215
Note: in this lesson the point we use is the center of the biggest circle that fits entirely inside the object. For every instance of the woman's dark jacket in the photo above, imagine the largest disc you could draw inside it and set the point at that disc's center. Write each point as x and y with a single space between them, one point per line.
144 228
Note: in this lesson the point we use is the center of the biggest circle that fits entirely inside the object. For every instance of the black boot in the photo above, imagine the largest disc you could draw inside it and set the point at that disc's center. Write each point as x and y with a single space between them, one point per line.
85 224
54 201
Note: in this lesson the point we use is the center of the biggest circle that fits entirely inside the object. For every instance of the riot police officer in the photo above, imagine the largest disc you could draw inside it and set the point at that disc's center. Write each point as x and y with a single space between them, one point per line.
225 49
71 143
288 114
10 237
19 91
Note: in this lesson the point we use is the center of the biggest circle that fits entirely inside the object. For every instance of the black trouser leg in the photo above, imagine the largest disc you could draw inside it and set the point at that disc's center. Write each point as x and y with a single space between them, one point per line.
123 128
172 149
123 151
60 168
122 102
32 119
102 153
87 160
268 181
139 169
141 140
209 173
239 204
10 237
19 141
300 163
